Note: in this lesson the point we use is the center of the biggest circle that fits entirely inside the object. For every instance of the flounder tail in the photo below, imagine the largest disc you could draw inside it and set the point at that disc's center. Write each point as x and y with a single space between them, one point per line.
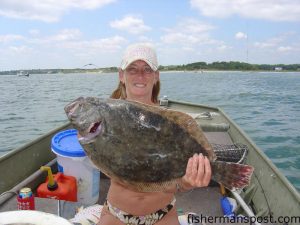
231 175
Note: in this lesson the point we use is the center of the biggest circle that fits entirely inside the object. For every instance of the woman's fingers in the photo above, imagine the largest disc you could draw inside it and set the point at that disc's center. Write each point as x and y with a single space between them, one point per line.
198 171
194 167
189 166
207 174
208 170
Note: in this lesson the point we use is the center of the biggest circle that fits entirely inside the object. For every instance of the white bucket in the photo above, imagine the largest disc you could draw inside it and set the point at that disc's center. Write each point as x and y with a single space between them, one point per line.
72 160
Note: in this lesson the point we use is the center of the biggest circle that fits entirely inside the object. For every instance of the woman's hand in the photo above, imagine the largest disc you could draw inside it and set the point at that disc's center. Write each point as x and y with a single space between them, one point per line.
198 173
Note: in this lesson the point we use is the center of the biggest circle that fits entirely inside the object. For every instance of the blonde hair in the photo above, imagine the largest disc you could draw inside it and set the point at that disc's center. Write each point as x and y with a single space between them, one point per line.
120 92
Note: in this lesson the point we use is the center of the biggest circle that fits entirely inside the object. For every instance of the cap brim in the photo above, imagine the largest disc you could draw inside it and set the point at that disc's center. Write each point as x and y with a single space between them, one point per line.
124 65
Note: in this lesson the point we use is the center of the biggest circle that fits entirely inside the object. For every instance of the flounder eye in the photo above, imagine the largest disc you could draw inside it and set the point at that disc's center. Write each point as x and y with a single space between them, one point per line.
95 127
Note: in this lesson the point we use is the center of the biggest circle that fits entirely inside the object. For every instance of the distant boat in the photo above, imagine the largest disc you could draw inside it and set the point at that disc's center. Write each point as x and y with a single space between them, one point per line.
278 69
23 74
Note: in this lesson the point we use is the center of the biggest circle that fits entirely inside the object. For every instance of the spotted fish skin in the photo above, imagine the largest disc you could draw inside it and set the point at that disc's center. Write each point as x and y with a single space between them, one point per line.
139 143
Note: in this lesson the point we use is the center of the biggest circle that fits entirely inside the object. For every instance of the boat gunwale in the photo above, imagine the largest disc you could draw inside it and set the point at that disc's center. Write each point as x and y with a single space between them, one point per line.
33 142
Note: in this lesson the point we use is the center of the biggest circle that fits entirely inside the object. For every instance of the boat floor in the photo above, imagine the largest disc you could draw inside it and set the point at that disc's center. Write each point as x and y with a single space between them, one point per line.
202 201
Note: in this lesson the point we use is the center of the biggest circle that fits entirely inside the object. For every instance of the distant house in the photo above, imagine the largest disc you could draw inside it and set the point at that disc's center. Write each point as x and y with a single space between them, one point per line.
278 68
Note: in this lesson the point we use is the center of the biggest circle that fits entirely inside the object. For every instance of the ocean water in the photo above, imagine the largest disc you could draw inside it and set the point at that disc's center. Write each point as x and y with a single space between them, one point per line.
265 105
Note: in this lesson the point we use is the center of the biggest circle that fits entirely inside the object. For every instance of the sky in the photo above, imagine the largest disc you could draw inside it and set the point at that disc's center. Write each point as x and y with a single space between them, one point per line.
45 34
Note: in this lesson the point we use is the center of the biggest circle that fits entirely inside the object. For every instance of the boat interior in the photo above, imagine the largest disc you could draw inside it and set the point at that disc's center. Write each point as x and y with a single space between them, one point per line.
220 130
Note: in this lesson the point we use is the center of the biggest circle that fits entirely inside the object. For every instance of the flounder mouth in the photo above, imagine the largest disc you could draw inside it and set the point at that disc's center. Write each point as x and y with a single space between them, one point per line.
93 131
95 127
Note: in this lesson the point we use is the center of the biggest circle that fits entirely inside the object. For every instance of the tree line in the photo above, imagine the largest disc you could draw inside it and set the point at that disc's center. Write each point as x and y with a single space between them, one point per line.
232 66
197 66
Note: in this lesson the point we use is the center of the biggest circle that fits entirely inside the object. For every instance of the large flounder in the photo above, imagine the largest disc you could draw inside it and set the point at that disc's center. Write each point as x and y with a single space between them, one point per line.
145 146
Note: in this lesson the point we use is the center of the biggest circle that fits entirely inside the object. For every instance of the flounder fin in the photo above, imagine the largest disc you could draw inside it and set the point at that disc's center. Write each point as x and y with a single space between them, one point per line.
231 175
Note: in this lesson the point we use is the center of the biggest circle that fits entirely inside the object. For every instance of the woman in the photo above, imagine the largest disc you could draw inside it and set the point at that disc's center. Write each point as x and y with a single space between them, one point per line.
139 81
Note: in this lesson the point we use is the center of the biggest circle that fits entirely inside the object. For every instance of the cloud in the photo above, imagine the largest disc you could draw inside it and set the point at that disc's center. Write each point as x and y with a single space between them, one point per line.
281 43
34 32
35 42
179 37
66 35
46 10
68 40
145 39
109 44
284 49
20 49
270 43
279 10
189 49
10 37
63 50
131 24
191 41
188 32
190 25
224 47
240 35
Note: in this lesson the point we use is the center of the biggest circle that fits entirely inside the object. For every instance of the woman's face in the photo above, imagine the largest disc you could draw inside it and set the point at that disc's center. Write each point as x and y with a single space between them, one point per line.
139 80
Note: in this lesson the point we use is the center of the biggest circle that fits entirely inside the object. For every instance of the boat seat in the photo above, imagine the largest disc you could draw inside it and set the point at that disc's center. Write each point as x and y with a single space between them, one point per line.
222 138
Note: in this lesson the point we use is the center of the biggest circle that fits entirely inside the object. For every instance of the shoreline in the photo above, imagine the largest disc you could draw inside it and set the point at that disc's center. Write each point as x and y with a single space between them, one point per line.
163 71
224 71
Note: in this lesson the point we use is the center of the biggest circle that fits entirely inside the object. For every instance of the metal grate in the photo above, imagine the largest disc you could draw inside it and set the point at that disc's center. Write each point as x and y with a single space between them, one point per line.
231 153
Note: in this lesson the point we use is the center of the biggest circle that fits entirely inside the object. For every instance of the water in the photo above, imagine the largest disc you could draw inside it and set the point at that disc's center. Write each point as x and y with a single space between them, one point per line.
265 105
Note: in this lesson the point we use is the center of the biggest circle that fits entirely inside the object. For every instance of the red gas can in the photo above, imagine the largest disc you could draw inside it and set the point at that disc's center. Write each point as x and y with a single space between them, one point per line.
62 187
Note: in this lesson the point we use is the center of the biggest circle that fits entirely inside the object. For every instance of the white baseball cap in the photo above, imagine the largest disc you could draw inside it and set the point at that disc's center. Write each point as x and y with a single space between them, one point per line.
139 51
